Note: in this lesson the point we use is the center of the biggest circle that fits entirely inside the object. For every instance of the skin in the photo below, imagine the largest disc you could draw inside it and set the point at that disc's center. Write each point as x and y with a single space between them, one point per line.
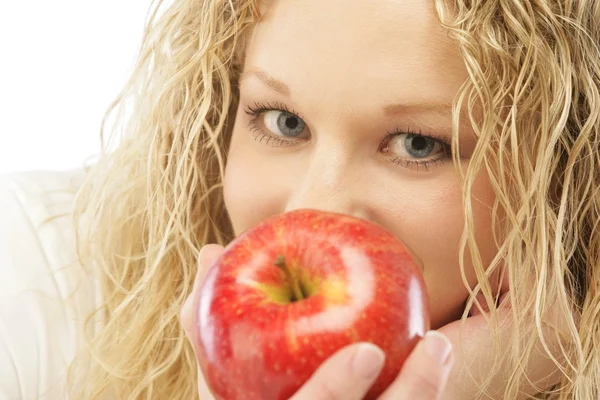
339 64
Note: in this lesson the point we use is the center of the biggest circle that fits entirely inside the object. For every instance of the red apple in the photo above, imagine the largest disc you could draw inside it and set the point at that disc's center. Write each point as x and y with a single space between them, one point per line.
286 295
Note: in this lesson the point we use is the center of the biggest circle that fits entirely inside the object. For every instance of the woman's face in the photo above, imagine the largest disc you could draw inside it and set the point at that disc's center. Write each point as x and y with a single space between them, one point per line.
333 99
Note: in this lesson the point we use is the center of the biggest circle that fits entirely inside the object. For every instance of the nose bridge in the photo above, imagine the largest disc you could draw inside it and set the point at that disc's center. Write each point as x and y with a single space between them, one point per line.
328 184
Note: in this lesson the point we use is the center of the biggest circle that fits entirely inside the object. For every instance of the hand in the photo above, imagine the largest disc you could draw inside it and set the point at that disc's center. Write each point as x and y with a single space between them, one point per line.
474 358
349 373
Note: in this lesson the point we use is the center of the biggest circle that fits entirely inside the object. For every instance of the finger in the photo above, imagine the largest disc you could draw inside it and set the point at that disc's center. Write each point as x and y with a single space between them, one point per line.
207 257
347 375
425 372
475 362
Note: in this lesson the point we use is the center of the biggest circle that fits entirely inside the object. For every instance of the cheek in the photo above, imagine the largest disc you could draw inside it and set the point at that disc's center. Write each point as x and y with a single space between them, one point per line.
443 276
428 218
250 188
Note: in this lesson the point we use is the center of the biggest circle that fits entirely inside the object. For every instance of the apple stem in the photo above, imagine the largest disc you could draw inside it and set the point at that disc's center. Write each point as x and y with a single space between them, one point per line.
293 281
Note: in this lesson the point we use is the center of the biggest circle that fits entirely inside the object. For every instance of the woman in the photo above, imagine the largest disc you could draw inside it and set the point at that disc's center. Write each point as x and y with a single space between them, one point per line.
469 129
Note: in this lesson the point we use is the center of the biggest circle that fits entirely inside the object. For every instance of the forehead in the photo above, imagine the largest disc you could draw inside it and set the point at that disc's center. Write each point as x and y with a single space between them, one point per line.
357 47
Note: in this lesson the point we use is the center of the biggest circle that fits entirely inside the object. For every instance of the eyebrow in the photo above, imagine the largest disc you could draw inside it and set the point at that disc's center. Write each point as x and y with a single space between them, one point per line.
389 109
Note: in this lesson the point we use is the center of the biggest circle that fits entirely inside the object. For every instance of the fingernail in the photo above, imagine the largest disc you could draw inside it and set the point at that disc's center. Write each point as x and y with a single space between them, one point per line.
367 361
438 346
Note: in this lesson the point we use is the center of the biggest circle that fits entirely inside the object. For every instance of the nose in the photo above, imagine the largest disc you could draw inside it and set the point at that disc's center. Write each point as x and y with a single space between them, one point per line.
338 183
329 184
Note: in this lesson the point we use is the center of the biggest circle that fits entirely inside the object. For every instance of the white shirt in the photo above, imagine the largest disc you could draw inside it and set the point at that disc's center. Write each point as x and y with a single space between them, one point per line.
39 331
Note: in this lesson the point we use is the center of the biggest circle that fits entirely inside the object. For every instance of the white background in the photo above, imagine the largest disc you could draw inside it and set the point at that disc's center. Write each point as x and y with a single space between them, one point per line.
61 64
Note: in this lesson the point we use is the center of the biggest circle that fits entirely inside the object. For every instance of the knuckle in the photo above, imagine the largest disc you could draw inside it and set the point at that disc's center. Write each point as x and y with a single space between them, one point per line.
416 386
327 392
320 390
424 385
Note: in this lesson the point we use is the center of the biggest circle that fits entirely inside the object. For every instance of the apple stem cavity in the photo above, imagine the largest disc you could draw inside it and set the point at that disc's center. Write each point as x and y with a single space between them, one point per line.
291 278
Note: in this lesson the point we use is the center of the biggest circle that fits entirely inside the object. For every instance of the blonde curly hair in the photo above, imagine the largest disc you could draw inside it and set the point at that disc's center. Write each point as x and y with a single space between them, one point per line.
155 198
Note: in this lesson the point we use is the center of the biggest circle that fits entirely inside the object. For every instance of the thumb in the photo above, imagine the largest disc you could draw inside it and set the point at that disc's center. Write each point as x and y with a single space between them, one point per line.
346 375
207 257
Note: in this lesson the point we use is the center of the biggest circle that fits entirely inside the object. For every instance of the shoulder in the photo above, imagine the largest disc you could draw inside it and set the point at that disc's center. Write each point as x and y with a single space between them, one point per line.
44 294
36 234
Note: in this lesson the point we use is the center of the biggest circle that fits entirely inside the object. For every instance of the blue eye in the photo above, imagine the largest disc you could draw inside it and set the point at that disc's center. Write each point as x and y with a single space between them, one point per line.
283 123
413 146
420 146
275 125
416 150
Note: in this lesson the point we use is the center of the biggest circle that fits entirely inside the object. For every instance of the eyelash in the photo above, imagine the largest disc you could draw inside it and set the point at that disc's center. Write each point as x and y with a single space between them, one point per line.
445 154
260 135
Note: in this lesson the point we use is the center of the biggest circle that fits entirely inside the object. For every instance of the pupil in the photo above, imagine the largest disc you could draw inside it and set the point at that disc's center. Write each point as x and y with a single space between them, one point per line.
291 122
419 143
